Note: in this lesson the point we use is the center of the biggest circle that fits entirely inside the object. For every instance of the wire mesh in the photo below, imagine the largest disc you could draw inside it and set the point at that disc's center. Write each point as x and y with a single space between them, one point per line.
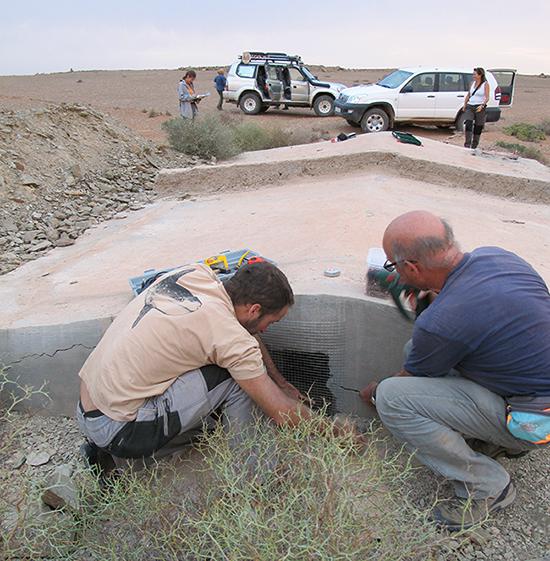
310 355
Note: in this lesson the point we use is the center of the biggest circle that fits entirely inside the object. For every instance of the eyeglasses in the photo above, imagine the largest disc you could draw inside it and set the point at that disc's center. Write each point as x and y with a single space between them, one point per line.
390 265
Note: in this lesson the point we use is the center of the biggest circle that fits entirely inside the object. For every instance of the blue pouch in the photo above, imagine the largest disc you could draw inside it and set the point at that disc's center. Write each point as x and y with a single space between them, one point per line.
528 418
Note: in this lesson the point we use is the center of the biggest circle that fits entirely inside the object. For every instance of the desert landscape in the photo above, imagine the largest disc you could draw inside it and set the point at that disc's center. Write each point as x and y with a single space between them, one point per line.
131 95
91 193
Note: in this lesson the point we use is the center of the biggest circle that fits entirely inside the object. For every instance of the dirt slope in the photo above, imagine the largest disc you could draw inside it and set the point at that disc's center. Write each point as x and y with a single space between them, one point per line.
63 169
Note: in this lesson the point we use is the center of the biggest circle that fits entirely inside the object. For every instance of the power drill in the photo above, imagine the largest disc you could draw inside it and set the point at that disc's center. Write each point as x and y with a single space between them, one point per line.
406 297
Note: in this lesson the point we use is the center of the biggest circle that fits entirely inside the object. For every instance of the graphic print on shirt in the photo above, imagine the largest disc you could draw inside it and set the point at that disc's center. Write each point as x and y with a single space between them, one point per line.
167 293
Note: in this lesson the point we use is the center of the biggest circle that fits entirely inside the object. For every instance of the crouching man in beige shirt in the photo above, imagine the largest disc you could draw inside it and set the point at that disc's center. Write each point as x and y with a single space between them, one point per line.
182 350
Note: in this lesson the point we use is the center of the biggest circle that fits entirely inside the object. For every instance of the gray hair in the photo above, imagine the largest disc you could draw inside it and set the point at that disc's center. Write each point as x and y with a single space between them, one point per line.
428 249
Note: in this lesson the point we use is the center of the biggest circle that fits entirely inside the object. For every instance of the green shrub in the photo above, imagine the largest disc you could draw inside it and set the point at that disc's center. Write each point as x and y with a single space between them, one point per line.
525 131
205 136
522 150
544 126
224 136
250 136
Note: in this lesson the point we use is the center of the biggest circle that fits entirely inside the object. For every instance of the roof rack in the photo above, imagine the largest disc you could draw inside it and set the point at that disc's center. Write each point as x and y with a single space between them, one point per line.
249 56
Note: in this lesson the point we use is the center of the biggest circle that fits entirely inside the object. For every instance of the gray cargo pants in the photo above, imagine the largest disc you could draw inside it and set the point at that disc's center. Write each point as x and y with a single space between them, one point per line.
433 416
167 421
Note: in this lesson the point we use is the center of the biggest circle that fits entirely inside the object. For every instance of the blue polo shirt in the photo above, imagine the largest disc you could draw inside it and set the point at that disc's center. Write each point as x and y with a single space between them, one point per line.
491 321
220 81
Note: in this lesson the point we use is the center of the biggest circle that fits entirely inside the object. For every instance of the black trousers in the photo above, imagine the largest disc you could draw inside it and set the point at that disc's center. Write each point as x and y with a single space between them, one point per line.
474 122
220 102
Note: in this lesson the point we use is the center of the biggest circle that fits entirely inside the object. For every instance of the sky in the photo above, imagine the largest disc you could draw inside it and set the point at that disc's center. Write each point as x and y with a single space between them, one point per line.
57 35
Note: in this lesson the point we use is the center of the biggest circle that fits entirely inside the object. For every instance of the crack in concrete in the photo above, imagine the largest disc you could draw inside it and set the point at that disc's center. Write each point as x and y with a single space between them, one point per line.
50 355
348 389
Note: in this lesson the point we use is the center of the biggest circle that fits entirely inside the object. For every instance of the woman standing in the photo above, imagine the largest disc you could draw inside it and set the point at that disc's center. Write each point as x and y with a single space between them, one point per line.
475 105
187 96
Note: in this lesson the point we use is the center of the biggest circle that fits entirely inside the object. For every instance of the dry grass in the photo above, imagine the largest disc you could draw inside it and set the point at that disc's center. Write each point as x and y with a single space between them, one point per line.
281 494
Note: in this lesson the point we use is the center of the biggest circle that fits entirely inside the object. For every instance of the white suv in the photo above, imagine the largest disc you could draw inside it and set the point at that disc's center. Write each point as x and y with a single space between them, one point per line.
421 95
263 80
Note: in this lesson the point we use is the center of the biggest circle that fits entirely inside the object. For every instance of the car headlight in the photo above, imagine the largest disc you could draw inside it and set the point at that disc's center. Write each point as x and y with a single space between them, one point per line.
358 99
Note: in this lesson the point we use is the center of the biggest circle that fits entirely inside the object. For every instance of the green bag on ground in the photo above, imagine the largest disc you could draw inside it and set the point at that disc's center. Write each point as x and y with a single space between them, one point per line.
406 138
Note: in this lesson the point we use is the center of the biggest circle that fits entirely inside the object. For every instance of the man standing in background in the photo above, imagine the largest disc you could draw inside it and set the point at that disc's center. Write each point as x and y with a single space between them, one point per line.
221 82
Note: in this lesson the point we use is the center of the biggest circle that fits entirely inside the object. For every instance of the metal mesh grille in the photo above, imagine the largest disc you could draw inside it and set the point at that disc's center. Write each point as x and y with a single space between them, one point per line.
310 355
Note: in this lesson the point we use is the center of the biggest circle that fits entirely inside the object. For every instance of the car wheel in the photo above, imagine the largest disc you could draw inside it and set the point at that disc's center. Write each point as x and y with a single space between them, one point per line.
459 123
251 104
324 106
375 120
264 108
353 124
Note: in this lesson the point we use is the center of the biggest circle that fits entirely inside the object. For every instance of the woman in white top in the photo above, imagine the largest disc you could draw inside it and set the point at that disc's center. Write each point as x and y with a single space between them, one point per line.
475 104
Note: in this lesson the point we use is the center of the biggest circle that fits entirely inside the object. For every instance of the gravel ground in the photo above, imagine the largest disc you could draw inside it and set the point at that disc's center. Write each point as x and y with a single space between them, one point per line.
520 533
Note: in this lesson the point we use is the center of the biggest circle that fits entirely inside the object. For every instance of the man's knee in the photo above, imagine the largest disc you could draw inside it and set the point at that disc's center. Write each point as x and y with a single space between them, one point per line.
468 125
387 392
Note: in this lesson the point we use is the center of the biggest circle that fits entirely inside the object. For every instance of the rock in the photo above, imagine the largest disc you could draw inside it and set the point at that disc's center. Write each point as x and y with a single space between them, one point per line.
30 180
52 234
41 246
36 215
8 224
30 236
61 490
19 165
75 171
38 458
63 241
70 181
17 460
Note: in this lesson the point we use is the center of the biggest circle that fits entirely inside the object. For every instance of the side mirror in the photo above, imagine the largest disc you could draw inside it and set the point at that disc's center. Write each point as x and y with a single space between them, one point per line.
407 89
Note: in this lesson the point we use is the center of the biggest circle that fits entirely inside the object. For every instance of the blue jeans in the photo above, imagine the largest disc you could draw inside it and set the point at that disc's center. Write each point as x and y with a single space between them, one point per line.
433 416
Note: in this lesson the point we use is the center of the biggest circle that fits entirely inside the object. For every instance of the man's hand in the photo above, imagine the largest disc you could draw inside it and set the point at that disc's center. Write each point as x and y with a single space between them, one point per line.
273 372
294 393
368 392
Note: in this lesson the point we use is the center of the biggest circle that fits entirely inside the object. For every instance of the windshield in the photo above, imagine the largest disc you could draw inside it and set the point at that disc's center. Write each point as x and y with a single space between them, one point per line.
307 72
395 79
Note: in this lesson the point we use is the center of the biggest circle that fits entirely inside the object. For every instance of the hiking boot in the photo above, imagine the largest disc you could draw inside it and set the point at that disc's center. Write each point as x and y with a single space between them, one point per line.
461 514
99 461
494 450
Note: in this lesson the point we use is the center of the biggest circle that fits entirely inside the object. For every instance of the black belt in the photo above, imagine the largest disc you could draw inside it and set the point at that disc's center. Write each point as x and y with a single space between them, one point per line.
90 414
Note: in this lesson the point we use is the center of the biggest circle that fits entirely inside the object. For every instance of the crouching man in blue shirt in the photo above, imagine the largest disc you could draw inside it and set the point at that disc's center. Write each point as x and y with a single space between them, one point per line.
481 347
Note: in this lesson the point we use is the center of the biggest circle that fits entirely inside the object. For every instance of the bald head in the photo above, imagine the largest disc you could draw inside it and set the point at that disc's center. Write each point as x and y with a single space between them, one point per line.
420 235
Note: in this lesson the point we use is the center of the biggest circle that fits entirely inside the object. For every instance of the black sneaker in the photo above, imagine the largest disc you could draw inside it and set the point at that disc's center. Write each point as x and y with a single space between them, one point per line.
494 450
461 514
99 461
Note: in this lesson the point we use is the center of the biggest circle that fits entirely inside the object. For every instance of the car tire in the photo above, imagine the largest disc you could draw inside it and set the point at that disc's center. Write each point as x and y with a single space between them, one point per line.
324 106
353 124
459 123
264 108
375 120
250 103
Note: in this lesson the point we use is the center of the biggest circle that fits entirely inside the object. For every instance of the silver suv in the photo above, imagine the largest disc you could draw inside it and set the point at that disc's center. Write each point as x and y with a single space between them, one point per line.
263 80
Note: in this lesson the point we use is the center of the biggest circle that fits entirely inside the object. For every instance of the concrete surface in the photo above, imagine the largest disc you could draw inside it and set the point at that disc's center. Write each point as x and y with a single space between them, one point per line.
444 164
56 308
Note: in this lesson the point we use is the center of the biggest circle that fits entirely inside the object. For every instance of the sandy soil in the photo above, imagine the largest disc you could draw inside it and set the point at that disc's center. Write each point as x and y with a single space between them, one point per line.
129 95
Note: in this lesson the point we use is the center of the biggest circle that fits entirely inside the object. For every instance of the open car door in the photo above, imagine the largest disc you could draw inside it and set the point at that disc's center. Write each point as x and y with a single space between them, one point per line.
274 83
506 79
